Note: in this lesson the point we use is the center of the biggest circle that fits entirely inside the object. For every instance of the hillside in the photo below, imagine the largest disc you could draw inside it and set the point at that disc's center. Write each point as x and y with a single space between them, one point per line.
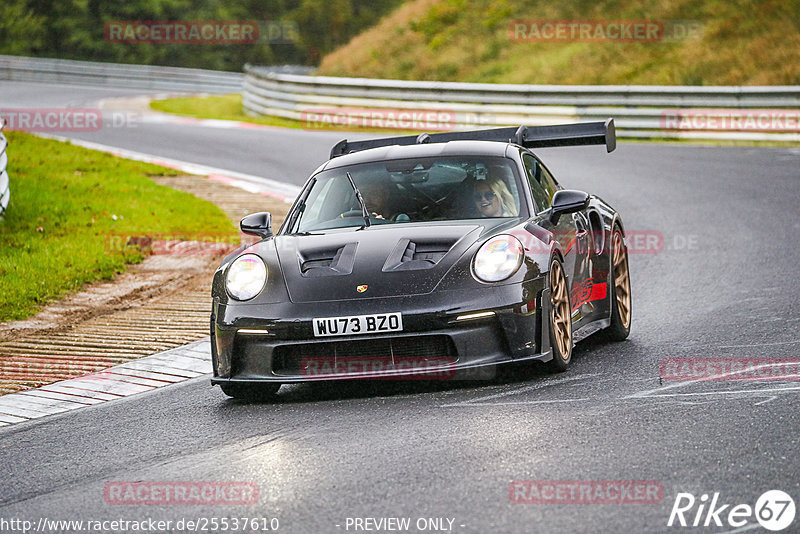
745 42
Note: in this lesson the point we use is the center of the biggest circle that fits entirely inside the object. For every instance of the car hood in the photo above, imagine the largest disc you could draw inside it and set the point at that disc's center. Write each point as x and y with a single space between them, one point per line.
379 261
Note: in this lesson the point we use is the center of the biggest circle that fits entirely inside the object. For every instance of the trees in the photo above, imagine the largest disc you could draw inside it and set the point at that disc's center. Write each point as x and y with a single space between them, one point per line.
73 29
21 29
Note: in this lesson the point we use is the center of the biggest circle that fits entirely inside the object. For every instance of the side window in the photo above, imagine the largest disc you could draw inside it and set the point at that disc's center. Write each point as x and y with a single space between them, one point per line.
549 184
533 171
320 190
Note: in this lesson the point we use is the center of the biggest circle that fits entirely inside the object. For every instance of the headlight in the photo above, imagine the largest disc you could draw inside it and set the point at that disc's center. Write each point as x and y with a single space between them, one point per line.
498 258
246 277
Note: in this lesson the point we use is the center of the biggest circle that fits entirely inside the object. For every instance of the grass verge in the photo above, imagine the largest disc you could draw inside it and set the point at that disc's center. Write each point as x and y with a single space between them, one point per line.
67 205
229 107
224 107
700 42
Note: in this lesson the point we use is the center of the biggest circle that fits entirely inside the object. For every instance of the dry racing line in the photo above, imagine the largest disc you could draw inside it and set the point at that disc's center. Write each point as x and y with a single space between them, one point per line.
720 387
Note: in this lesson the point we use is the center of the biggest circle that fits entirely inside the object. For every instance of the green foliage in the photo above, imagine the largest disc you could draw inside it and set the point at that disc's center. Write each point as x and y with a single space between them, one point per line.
73 29
229 107
70 208
21 30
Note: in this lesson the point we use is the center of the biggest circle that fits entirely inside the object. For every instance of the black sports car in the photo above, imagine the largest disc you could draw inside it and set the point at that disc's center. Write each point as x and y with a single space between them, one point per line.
428 256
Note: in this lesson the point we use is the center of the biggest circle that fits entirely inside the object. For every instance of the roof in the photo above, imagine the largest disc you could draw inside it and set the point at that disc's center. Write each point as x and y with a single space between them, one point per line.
426 150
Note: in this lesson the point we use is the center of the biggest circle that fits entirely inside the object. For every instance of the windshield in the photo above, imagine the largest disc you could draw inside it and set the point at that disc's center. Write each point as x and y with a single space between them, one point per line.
413 190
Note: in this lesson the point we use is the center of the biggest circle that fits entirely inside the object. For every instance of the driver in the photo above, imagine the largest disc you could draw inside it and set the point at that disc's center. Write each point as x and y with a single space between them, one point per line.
378 198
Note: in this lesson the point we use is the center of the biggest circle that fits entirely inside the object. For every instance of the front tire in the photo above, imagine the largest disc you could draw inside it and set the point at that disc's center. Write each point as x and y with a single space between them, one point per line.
251 392
560 319
620 325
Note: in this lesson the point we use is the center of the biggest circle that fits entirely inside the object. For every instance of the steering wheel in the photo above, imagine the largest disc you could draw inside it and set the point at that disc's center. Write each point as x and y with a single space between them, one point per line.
431 211
350 213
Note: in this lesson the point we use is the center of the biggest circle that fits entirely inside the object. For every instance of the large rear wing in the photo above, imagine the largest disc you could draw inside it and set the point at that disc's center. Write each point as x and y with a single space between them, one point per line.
583 133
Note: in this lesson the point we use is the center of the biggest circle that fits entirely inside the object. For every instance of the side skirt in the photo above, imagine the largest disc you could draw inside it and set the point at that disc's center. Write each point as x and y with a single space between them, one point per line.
589 329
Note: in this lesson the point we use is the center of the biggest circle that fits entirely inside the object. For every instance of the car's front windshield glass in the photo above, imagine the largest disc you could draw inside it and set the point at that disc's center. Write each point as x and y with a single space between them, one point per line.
413 190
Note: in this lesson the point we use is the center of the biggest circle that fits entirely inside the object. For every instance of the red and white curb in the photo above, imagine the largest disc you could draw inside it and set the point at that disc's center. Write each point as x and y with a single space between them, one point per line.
248 182
130 378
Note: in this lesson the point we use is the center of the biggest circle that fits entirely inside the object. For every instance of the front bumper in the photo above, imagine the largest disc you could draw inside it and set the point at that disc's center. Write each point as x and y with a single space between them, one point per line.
275 342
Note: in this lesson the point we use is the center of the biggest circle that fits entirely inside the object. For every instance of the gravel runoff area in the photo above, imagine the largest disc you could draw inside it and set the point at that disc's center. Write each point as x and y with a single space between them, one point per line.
158 305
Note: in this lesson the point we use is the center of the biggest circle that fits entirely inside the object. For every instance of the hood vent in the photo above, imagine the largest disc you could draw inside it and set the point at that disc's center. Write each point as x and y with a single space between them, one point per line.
420 254
328 262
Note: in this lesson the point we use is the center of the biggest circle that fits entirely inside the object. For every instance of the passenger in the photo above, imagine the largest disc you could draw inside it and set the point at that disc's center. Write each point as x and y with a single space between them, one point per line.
492 198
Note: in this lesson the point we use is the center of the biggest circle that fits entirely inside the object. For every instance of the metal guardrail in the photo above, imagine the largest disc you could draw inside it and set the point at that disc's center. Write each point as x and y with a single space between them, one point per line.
766 113
173 79
5 187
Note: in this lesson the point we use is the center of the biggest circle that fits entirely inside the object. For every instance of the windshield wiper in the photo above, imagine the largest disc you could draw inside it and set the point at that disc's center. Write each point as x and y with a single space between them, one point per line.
364 211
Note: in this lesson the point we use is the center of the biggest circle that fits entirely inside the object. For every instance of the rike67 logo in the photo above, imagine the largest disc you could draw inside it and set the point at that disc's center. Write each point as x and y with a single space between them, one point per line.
774 510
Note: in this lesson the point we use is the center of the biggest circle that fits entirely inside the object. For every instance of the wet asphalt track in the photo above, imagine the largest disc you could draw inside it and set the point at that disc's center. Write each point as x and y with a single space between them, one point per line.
723 286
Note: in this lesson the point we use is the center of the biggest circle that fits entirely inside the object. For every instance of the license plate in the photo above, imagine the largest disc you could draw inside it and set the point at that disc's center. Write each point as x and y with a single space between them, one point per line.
358 324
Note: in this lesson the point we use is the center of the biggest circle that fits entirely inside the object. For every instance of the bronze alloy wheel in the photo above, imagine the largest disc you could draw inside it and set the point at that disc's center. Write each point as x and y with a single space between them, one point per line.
560 315
622 280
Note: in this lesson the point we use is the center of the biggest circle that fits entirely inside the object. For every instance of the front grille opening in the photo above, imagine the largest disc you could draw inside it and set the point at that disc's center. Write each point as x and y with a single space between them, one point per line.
416 352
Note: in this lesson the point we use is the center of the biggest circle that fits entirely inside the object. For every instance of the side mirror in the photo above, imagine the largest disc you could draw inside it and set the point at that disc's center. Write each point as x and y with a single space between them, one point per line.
567 201
257 224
